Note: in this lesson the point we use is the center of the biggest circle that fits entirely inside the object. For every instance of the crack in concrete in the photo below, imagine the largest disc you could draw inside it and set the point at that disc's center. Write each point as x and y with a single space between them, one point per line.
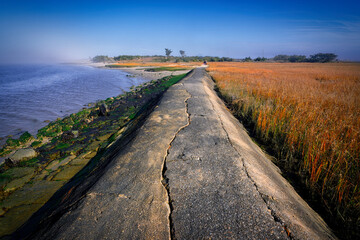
265 199
263 196
165 179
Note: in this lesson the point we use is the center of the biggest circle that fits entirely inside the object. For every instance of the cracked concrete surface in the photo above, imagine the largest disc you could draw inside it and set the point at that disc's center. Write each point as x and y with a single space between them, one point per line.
129 200
165 180
191 172
211 195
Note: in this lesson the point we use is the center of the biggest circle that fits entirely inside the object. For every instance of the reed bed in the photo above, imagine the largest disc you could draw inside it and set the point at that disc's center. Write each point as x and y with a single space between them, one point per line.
310 115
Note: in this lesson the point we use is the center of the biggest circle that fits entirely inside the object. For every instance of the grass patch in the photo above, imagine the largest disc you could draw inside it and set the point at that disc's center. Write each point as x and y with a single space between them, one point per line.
119 66
162 69
173 80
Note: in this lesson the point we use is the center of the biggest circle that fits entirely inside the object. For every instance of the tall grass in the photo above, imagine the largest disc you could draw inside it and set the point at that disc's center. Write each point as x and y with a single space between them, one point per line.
310 114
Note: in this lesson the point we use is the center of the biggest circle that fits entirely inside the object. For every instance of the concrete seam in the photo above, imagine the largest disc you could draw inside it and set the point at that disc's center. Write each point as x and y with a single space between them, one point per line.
165 179
273 214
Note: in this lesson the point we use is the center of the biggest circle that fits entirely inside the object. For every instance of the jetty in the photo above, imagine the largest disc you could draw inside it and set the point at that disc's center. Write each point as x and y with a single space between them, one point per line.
188 171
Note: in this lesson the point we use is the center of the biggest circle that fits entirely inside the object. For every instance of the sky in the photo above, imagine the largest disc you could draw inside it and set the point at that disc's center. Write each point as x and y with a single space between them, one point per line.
70 30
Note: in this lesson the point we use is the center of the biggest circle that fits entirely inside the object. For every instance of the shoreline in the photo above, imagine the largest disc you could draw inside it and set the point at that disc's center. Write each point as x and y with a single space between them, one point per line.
136 71
64 147
131 73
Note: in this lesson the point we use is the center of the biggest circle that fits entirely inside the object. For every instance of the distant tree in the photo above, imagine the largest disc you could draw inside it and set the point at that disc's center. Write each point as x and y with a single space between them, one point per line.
260 59
182 53
226 59
297 58
101 58
247 59
126 57
168 52
322 57
283 58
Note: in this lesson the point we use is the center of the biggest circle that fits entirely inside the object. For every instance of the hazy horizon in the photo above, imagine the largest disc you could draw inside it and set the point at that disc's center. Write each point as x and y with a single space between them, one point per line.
73 30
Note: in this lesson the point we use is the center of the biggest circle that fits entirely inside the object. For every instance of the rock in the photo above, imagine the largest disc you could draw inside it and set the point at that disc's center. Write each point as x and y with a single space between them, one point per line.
19 172
76 133
67 173
68 135
102 138
104 110
2 212
15 217
79 161
54 165
89 120
17 177
17 183
22 155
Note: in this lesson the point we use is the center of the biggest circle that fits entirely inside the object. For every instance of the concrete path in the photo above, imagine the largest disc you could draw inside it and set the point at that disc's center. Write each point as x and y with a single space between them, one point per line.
191 172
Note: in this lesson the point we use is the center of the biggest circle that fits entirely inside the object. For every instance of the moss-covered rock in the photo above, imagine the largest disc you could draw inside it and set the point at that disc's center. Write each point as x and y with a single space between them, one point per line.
36 144
67 173
15 217
25 137
10 142
37 192
21 155
54 165
16 177
79 161
19 182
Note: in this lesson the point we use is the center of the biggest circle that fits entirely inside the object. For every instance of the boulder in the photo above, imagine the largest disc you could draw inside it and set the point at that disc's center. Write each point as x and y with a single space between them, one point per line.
68 135
22 155
76 133
104 110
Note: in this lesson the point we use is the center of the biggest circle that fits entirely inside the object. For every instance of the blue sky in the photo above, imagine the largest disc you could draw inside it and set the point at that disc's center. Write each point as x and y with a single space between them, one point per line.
80 29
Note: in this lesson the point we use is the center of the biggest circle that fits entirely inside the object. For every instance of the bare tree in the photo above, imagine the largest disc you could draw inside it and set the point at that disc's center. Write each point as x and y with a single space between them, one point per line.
168 52
182 53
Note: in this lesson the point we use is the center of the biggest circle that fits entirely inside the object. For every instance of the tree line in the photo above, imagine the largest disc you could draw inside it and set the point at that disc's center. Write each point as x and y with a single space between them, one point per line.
319 57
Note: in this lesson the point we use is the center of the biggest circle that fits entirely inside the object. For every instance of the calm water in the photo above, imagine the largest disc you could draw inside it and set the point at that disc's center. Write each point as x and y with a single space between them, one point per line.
31 94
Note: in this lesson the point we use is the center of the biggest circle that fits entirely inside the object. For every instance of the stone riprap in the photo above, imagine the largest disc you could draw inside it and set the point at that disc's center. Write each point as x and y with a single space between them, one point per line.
31 175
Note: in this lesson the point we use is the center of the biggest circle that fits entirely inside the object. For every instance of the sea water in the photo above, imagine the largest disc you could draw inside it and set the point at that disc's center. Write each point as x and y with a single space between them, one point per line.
33 94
